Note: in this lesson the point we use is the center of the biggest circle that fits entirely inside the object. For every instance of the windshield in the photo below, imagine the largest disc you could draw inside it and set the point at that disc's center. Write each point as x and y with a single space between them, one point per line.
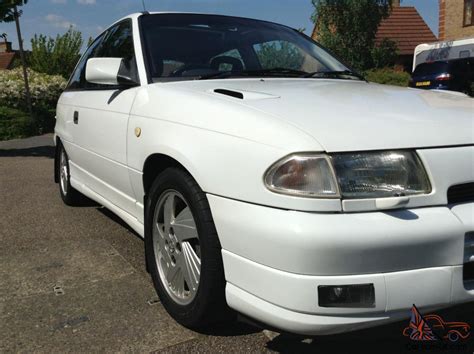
190 46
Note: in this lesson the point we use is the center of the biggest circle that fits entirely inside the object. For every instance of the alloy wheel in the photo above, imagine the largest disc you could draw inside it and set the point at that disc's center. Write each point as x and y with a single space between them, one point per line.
177 249
63 172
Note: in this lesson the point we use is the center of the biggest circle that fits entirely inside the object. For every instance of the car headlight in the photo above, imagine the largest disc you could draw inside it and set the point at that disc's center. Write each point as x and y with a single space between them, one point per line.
304 175
349 175
380 174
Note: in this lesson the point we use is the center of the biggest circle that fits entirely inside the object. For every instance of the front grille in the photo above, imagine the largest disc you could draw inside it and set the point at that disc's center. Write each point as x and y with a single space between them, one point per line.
461 193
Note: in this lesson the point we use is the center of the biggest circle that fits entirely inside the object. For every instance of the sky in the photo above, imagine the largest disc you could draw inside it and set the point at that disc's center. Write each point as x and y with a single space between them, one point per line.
52 17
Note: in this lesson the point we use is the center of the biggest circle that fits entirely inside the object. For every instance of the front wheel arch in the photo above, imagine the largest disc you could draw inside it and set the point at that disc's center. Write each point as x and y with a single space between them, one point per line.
154 165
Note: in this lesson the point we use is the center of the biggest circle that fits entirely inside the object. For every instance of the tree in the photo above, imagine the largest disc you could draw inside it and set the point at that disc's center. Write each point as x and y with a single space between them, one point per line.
348 27
8 13
384 54
56 56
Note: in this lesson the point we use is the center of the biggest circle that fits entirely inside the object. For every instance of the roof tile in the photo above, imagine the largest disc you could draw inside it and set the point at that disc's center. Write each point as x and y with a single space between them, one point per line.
407 28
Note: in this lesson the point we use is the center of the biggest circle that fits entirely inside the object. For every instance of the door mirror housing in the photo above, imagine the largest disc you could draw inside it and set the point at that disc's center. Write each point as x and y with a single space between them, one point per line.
110 71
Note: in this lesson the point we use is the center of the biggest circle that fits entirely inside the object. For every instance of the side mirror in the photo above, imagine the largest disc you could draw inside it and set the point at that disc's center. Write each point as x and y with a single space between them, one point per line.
109 71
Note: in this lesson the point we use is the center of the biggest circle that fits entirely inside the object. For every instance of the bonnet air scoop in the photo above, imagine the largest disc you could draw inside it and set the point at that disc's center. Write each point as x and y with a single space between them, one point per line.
243 95
230 93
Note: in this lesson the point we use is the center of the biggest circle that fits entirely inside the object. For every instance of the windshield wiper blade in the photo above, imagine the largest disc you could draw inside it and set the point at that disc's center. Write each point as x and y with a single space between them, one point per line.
249 73
334 73
219 75
275 71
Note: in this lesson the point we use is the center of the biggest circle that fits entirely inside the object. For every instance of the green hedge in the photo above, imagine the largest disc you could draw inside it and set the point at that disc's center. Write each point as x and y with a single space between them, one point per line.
15 123
45 91
388 76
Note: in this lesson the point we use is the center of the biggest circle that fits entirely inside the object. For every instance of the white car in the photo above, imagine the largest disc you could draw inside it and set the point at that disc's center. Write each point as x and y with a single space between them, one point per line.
267 177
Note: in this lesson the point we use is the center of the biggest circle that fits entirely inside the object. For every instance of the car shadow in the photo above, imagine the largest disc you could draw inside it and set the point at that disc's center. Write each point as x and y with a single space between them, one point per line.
109 214
231 328
39 151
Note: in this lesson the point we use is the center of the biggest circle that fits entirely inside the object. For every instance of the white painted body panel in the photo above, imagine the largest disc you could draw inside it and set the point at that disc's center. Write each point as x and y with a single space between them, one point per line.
348 115
98 142
103 70
277 249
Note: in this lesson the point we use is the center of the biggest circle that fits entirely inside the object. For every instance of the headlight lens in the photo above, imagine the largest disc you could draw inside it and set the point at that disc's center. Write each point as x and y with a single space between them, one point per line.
380 174
303 175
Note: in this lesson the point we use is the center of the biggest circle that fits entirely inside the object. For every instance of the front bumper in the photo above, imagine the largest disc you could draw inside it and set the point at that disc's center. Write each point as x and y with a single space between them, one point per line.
275 260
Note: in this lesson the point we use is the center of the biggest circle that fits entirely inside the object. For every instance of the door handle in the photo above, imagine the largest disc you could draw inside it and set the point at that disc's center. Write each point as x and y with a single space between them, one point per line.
76 117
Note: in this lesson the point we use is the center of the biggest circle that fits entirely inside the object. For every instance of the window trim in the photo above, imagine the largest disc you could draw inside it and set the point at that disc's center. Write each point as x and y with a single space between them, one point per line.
464 23
103 34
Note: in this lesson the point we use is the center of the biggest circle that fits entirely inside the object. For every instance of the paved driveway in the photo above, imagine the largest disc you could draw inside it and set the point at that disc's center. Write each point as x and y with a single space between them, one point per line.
73 279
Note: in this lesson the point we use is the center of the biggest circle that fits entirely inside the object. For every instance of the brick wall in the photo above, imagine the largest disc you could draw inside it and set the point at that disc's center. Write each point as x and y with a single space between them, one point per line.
451 14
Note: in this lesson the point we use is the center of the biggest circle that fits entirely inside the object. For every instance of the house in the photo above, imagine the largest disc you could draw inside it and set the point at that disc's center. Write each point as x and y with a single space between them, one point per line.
456 19
7 55
406 27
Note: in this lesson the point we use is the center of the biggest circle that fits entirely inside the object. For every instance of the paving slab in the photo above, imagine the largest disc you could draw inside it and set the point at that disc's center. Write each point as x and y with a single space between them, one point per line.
68 264
111 316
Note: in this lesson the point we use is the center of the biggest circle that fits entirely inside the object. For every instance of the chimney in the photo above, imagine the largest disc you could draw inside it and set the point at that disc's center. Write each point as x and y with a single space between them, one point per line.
5 47
396 3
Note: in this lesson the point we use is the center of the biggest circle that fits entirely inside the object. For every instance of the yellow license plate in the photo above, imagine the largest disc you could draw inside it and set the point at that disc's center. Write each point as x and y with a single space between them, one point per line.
423 83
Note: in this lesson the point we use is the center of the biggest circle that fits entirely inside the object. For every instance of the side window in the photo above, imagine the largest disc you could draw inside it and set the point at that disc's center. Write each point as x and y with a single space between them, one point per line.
77 80
118 42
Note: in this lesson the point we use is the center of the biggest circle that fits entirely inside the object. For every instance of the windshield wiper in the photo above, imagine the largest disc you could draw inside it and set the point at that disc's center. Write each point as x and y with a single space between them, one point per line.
275 71
219 75
249 73
334 73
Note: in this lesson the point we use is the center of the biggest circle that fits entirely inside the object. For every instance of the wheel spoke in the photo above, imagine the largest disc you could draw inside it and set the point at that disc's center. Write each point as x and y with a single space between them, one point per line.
180 284
168 212
184 217
191 267
184 226
172 274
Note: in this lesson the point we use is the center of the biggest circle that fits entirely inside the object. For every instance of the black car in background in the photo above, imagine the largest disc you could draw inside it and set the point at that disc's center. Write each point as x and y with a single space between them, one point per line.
452 75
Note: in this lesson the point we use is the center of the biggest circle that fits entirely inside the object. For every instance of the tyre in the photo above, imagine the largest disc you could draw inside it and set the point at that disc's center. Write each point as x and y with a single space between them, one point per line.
453 336
183 251
69 195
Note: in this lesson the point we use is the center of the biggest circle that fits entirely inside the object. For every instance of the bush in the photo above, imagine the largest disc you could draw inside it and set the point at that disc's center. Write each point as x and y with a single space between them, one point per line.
388 76
45 91
385 54
15 124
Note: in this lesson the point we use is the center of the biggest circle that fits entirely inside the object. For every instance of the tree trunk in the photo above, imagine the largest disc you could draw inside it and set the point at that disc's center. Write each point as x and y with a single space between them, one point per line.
23 62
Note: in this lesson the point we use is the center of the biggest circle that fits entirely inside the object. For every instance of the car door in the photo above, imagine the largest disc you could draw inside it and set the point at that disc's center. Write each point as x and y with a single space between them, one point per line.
100 119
